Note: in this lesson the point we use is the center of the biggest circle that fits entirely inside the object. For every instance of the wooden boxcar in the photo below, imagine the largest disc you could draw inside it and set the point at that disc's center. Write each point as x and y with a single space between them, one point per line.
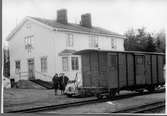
122 70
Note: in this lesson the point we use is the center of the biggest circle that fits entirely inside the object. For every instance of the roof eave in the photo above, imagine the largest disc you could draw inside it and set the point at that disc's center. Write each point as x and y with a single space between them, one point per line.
85 51
56 29
83 32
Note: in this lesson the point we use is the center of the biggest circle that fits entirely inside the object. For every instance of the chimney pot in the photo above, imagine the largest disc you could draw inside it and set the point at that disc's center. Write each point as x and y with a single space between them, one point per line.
86 20
62 16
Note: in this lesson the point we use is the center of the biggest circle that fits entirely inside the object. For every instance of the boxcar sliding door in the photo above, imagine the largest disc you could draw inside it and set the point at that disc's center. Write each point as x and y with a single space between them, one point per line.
94 69
112 70
140 69
122 70
160 72
103 69
86 74
148 71
154 69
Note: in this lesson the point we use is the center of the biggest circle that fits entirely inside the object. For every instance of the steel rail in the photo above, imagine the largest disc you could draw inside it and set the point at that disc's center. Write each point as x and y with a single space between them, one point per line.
143 108
73 104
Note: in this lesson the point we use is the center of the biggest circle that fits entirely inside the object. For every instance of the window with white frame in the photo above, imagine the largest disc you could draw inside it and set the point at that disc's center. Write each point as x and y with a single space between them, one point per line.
17 66
28 41
44 64
65 63
93 41
74 63
113 43
70 40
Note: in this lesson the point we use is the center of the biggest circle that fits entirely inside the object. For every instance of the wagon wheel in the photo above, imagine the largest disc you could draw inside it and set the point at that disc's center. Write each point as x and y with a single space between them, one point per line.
112 93
99 96
140 90
69 95
151 89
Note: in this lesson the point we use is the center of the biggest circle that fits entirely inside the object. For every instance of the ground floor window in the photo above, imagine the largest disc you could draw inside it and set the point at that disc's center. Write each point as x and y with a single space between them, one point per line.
17 66
44 64
65 63
74 63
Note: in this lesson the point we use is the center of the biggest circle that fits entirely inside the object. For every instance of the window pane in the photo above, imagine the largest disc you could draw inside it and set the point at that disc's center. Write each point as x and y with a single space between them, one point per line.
29 41
112 43
74 62
70 40
44 64
17 66
93 41
65 63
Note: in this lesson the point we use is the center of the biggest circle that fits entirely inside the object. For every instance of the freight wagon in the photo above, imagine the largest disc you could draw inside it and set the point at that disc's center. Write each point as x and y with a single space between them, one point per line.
112 71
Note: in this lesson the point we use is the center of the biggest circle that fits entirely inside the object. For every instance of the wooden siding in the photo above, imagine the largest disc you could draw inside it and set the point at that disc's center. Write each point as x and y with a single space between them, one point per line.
121 70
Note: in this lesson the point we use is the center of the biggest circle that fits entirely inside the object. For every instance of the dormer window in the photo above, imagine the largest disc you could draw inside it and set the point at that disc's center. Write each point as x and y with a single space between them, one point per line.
70 40
93 42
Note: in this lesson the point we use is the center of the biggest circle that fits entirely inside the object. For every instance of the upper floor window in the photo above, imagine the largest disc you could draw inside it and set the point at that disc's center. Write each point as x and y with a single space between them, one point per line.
93 41
44 64
74 63
28 41
17 66
65 63
70 40
113 43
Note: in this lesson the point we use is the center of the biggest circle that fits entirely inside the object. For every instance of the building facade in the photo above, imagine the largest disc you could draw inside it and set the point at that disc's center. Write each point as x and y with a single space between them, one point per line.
39 48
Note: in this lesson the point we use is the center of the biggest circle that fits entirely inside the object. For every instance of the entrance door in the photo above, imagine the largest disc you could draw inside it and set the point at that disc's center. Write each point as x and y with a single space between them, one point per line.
31 73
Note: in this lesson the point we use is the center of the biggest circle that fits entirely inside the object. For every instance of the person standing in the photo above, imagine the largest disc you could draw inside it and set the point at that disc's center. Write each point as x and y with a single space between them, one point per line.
63 82
55 81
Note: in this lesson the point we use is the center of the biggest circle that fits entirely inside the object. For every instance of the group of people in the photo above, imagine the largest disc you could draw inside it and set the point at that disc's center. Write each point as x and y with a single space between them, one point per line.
60 82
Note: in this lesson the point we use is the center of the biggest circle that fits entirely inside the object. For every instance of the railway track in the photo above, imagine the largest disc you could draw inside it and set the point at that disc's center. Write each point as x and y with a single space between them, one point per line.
147 108
74 104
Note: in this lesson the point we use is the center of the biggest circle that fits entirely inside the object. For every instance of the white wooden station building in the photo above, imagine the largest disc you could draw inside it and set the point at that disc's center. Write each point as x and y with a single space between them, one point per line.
39 47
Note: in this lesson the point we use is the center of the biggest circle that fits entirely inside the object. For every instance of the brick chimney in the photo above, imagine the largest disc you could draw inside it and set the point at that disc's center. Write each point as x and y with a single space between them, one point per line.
62 16
86 20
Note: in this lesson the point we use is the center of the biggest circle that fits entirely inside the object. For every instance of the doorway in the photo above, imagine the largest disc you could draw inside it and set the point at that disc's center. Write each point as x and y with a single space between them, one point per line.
31 69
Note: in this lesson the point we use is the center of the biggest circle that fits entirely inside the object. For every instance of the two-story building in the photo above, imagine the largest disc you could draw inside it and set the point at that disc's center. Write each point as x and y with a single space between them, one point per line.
39 48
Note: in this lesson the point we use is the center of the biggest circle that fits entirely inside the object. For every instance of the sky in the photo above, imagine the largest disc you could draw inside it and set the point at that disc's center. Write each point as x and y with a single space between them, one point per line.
115 15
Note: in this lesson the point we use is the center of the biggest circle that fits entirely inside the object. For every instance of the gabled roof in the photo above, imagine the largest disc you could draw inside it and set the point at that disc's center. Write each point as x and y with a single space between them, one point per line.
75 27
53 25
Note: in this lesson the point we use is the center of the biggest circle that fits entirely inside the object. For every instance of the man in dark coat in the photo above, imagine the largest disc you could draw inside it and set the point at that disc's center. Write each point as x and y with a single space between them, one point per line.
55 81
63 80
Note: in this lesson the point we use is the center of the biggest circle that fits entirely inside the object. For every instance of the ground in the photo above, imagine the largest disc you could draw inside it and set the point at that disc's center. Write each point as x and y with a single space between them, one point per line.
115 105
16 99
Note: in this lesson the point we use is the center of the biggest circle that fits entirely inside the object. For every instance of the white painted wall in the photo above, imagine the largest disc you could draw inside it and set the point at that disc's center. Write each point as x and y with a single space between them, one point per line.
81 41
43 45
50 43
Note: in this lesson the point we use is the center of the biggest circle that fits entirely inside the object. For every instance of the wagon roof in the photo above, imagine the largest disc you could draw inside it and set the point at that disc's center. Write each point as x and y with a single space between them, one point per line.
97 50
